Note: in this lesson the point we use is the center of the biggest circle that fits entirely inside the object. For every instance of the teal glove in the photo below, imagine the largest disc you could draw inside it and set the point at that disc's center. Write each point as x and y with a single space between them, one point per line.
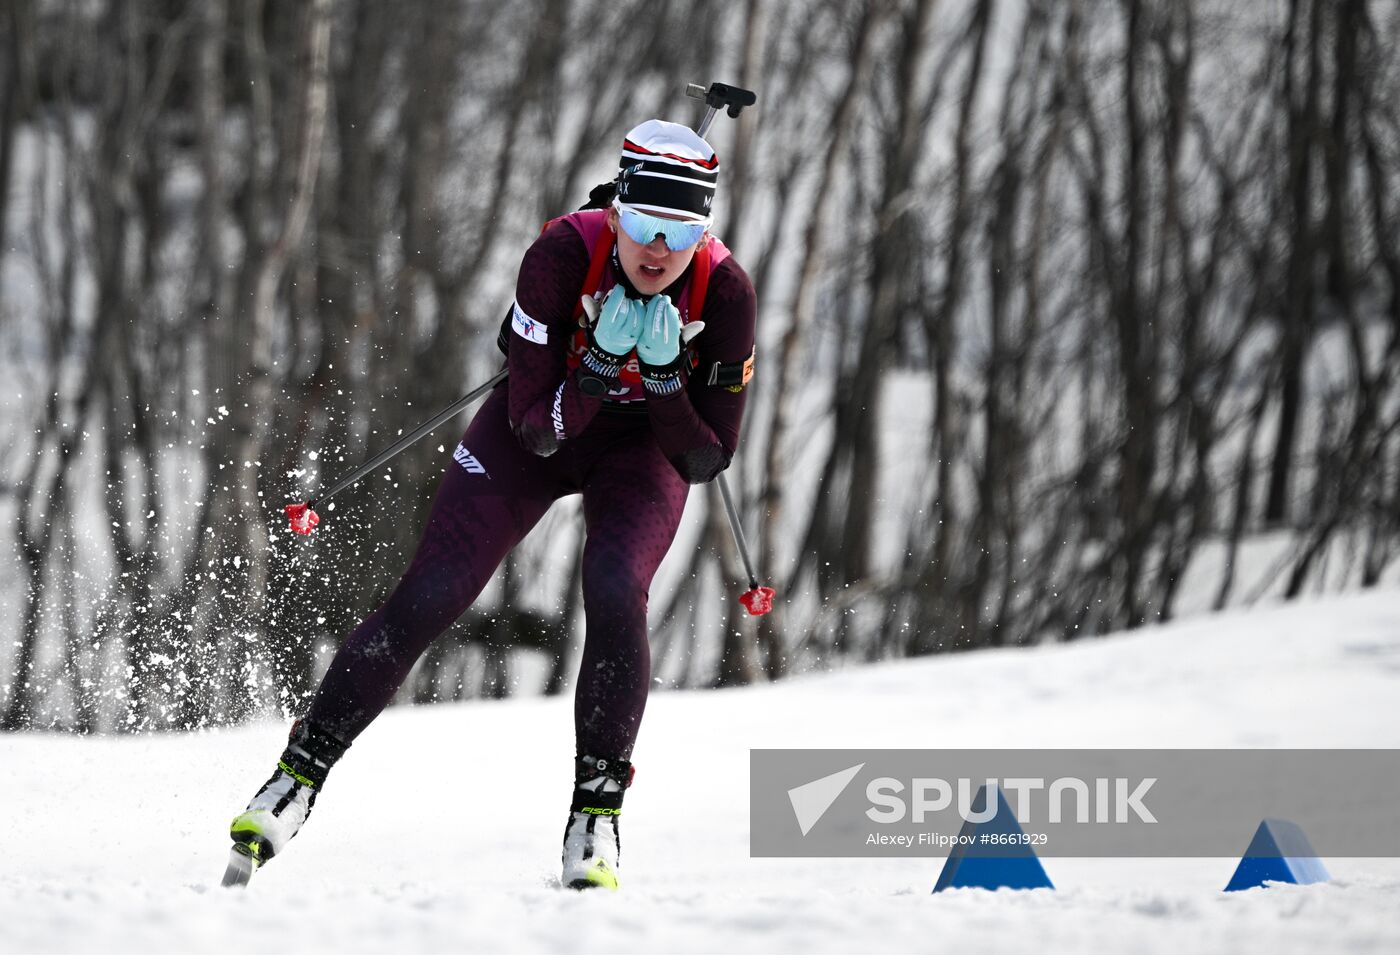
660 340
619 323
611 338
659 348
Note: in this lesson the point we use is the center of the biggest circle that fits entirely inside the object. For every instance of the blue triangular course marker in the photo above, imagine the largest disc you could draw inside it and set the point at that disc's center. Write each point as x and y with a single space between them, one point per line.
982 866
1279 852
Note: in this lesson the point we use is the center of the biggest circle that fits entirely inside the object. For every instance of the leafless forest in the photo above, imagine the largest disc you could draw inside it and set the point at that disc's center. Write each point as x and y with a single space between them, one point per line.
1056 296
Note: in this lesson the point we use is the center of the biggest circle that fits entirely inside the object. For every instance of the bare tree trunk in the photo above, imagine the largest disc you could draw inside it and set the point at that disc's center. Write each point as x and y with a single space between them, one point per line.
1298 304
813 261
16 97
940 319
254 423
894 244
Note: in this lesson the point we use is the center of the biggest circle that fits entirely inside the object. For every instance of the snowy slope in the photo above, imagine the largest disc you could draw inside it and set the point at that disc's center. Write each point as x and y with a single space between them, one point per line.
440 830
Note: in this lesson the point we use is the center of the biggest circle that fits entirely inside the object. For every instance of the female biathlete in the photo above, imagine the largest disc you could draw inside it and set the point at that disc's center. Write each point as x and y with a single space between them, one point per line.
630 344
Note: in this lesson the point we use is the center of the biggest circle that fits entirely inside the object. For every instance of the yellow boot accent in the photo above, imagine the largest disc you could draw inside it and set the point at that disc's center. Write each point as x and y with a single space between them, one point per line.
601 874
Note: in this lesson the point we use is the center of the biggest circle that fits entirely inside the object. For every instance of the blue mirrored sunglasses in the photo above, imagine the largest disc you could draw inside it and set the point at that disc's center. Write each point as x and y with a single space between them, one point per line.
643 229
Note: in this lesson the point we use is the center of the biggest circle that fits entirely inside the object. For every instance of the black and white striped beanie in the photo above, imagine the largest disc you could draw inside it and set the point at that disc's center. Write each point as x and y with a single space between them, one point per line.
666 168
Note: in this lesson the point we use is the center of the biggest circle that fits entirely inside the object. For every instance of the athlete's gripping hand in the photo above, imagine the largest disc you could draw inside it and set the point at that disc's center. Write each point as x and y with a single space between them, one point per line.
619 323
659 346
610 340
660 340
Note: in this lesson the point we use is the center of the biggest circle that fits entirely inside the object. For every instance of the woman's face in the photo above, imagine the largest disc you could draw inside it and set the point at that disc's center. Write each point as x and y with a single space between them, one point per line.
651 267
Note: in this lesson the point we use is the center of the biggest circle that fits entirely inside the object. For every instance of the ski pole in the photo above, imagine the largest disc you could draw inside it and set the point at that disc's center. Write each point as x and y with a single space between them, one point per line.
303 517
757 600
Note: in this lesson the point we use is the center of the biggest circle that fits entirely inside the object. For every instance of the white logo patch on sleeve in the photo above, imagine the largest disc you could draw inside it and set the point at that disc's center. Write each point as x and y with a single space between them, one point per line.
527 328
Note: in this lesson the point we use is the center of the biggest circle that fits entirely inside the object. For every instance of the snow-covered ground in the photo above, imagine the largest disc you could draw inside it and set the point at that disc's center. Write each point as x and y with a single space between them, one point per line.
440 830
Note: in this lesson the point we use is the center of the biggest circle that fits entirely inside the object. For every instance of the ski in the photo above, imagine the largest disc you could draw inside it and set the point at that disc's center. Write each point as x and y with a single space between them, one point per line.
242 862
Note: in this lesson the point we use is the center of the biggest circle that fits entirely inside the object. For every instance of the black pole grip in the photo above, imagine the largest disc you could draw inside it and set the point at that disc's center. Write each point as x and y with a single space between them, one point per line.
731 98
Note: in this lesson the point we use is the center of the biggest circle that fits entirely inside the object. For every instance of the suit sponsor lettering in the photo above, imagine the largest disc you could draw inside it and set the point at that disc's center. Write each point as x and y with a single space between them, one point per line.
468 461
556 414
